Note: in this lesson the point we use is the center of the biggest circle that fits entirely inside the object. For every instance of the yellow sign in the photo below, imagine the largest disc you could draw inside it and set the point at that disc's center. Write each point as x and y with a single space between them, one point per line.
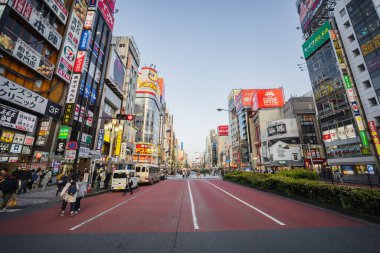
7 136
118 142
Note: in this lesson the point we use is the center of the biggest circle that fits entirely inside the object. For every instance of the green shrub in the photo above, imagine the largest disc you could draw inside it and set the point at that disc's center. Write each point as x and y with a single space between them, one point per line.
299 174
361 200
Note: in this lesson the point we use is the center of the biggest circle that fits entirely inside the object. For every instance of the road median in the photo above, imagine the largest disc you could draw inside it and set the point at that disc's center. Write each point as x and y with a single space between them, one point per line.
359 202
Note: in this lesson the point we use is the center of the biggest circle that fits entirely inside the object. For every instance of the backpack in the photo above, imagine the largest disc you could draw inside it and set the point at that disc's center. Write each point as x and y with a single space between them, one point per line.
7 186
72 190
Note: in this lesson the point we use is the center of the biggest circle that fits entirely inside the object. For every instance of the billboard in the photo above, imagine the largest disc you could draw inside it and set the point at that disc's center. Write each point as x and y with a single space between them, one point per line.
307 10
283 128
161 85
267 98
223 130
116 70
316 40
147 82
244 99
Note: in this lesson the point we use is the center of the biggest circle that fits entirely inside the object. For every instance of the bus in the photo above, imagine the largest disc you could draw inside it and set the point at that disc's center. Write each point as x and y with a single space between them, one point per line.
119 179
147 173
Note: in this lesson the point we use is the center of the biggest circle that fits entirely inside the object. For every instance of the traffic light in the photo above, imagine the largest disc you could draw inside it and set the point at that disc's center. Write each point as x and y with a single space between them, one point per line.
128 117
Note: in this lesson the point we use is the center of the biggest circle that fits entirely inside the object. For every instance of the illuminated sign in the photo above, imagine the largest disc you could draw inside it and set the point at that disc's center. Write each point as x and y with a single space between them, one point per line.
223 130
146 149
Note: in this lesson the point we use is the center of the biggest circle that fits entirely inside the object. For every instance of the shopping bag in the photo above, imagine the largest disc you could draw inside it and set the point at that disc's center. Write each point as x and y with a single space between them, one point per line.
12 202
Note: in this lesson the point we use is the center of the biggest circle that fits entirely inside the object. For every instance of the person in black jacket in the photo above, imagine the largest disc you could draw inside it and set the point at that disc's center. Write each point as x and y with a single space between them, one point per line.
8 188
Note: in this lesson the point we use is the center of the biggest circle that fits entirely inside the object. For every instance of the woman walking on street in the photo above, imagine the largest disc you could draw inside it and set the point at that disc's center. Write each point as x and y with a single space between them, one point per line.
128 185
69 195
8 188
46 179
82 190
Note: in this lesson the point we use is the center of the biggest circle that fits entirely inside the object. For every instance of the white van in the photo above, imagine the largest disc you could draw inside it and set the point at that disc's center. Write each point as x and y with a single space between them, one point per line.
147 173
119 179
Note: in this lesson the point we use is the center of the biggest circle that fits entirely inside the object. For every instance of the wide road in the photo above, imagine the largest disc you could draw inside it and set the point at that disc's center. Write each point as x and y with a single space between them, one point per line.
187 215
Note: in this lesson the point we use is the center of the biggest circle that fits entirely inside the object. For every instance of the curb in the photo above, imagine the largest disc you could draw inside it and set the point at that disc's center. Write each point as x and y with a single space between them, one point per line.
366 217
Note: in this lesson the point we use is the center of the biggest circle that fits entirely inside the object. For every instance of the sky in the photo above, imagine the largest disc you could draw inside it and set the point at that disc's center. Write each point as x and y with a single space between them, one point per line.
205 48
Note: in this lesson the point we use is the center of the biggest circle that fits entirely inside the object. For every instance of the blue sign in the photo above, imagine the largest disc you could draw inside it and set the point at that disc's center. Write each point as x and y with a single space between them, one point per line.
85 38
81 89
100 140
228 161
92 4
93 96
87 90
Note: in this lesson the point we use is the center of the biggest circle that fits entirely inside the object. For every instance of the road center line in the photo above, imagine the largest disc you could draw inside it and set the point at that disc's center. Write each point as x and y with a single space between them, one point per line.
249 205
195 222
101 214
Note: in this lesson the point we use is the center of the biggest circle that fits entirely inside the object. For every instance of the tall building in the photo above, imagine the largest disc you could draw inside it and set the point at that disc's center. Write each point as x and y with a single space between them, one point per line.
148 111
211 154
338 102
223 145
32 95
129 54
234 153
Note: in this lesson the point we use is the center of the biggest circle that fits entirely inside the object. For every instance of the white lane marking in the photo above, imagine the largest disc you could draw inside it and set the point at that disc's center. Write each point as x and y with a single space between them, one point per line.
245 203
101 214
195 221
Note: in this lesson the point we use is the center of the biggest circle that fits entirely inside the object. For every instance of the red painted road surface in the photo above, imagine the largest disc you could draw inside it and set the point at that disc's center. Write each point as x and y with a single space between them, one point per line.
166 207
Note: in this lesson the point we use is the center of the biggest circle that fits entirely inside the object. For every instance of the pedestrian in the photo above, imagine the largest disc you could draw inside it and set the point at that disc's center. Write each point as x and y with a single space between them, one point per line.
61 182
41 175
98 181
82 190
8 188
128 185
69 195
46 179
107 179
338 177
29 178
22 177
35 179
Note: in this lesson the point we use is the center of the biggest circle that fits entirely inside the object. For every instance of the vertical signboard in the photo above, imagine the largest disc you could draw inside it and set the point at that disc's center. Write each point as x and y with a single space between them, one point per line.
349 89
375 136
73 34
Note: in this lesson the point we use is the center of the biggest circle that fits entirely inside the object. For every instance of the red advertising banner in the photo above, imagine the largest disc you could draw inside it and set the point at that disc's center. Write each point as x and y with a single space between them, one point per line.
268 98
375 136
79 62
223 130
107 13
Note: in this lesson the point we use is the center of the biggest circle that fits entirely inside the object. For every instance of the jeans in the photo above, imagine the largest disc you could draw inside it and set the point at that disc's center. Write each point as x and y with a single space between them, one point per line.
77 203
64 204
6 198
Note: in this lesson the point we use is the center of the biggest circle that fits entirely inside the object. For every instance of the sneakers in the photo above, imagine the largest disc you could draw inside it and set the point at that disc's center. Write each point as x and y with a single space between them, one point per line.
78 210
62 213
72 214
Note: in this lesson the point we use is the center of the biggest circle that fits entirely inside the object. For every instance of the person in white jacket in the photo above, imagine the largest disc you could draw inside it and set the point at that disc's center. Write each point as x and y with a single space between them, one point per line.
82 190
69 195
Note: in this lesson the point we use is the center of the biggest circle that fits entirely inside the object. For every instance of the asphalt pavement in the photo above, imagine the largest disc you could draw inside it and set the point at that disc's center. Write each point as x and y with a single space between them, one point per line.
188 215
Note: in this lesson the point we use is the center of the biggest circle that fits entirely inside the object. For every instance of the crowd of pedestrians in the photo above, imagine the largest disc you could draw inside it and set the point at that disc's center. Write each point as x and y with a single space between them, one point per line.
20 181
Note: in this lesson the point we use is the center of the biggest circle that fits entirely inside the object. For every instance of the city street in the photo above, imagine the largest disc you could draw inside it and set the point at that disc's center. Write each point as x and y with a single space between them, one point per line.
187 215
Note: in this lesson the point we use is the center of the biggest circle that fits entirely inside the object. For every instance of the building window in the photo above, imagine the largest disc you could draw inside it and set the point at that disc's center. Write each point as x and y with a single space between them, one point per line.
367 84
361 68
356 52
372 101
351 38
121 45
342 12
347 24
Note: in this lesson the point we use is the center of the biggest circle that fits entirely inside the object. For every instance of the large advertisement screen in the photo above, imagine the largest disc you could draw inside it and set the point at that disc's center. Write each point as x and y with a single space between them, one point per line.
307 10
267 98
116 70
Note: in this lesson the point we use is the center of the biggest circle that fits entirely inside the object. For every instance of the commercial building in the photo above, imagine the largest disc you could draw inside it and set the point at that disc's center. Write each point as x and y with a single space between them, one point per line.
303 110
148 111
338 102
266 106
30 94
223 145
83 64
234 140
211 154
127 49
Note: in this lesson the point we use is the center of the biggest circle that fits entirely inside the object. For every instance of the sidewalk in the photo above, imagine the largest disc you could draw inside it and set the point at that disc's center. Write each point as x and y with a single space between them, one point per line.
37 196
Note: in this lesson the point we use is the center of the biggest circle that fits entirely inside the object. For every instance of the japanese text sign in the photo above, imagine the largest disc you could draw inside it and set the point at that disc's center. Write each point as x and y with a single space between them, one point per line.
16 119
18 95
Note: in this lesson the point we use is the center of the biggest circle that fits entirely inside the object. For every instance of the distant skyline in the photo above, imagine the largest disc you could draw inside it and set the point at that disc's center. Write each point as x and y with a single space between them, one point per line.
204 49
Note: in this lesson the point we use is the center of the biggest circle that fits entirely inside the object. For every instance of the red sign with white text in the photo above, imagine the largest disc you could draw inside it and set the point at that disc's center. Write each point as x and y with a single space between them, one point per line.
223 130
79 62
107 13
267 98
